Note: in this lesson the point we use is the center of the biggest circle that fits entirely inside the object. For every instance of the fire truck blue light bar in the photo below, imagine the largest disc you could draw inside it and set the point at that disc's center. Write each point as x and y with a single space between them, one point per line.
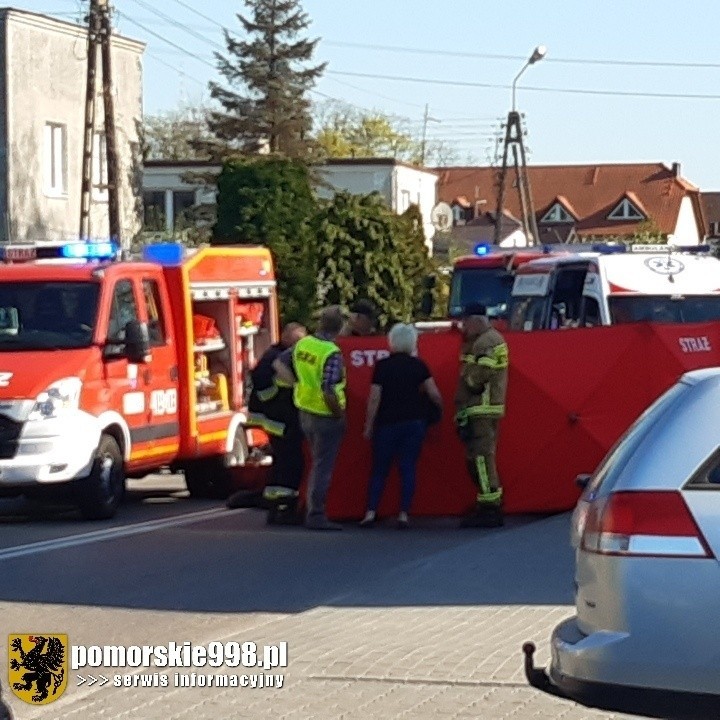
164 253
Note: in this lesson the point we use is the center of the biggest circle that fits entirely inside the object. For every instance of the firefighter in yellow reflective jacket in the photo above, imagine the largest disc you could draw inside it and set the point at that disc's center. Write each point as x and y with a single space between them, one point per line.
480 403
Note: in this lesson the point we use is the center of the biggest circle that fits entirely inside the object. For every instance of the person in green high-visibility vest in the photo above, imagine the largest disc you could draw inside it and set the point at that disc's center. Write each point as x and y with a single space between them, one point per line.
315 367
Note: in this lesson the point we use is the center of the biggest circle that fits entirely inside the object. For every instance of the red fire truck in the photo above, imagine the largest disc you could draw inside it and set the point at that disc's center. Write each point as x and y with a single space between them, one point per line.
113 369
487 277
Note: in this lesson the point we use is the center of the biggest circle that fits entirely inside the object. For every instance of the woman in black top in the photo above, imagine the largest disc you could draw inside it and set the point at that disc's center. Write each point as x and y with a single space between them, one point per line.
396 418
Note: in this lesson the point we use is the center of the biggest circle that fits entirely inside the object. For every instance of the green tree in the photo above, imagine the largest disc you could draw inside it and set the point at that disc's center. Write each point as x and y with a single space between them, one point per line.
265 105
648 233
414 256
176 135
269 201
345 131
360 249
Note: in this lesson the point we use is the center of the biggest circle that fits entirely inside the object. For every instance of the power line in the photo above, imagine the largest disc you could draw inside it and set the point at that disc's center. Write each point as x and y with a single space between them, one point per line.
522 58
372 92
531 88
175 23
199 14
177 70
165 40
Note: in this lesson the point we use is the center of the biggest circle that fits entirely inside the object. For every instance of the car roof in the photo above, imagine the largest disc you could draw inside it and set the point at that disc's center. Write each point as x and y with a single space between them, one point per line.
682 437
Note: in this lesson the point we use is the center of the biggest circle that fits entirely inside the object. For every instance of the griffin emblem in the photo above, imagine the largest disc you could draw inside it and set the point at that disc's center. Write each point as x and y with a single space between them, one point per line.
38 676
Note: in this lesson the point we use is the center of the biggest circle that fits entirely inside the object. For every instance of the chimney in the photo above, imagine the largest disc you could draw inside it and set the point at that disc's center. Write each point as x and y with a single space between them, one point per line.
676 169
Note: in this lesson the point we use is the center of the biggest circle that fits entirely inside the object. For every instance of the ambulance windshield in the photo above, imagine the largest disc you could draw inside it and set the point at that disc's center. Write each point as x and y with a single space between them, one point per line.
660 308
489 286
47 315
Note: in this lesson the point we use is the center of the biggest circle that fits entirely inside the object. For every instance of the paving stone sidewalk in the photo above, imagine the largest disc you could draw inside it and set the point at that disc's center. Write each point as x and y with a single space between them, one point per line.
388 650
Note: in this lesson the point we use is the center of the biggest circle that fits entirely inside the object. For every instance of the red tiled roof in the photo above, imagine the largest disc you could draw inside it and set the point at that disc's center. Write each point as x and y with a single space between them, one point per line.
591 192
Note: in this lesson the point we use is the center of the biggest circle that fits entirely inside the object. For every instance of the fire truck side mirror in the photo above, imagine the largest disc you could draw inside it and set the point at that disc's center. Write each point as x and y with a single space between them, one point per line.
137 341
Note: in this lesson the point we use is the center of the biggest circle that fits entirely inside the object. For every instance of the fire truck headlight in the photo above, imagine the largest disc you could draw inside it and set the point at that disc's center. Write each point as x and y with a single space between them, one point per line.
61 396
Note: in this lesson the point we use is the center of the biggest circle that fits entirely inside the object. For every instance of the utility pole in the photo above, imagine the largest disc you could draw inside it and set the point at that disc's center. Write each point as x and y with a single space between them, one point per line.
514 142
426 120
100 38
89 135
110 132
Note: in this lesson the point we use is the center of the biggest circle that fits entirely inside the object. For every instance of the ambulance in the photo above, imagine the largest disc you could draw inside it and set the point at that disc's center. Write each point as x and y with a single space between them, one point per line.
112 369
615 285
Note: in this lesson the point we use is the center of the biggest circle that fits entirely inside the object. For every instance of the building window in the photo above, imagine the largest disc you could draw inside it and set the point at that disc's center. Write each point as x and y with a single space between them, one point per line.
55 159
154 207
183 202
99 170
557 214
626 211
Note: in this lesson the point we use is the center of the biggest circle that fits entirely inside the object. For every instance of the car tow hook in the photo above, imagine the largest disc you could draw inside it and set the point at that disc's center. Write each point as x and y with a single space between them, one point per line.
538 677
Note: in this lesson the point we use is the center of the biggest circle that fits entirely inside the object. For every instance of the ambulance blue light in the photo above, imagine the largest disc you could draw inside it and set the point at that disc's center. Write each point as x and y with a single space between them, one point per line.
90 251
164 253
482 249
608 249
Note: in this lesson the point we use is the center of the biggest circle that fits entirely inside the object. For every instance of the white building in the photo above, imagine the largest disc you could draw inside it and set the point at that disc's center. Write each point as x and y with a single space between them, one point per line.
401 184
169 189
43 64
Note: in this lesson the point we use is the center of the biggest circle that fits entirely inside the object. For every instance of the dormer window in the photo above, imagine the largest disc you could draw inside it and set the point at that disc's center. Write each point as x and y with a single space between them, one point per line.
557 214
625 210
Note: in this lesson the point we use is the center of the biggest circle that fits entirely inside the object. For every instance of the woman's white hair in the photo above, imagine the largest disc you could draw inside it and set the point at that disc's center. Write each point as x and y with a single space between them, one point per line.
403 338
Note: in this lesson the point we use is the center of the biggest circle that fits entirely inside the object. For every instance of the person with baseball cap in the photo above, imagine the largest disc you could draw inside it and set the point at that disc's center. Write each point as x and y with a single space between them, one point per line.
363 319
480 404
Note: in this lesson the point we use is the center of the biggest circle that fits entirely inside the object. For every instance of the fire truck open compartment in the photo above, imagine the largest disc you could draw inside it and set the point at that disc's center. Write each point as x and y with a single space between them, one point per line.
229 312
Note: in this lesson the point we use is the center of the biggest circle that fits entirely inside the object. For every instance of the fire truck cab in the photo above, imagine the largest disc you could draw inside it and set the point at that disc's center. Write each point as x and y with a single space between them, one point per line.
114 369
613 286
486 277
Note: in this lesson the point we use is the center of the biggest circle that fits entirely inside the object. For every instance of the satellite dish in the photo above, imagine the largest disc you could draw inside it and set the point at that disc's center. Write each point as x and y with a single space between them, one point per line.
442 217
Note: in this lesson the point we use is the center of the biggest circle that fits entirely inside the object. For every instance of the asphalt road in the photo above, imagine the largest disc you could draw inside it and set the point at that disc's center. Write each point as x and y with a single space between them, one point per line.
437 604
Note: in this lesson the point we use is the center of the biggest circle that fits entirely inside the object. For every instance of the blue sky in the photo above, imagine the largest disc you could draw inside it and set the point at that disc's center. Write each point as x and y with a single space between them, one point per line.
562 127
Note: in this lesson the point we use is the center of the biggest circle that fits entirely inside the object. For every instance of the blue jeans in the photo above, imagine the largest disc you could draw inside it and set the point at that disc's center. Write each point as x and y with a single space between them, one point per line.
402 440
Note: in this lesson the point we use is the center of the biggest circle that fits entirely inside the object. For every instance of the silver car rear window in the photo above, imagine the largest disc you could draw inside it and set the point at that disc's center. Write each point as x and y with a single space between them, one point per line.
611 468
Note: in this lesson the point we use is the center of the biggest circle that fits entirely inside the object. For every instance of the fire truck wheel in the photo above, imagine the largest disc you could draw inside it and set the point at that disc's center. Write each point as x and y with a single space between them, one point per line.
102 491
208 479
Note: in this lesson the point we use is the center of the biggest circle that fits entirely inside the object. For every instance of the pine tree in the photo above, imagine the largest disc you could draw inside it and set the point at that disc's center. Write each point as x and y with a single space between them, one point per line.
265 103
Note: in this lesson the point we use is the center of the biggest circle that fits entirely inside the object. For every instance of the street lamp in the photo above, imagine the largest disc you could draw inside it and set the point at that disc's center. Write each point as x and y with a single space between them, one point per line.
538 54
514 143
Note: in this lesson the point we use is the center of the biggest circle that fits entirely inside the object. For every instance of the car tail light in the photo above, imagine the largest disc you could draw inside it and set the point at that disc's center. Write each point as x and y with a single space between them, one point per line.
654 524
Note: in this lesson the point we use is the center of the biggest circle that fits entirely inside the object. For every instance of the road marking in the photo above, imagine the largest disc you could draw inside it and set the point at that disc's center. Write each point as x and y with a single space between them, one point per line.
109 534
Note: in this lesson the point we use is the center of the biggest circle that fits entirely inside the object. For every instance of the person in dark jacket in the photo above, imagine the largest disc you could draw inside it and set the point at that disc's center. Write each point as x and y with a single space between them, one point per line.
397 418
363 320
272 408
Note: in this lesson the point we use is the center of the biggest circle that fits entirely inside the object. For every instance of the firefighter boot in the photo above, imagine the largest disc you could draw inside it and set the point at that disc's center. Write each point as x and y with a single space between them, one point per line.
285 513
282 506
484 516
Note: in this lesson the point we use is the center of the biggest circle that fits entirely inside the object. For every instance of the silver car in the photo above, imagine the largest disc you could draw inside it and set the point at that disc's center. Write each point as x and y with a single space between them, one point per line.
646 637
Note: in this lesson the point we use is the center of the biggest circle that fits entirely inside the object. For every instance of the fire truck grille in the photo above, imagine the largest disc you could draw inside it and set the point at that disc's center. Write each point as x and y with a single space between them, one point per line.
9 434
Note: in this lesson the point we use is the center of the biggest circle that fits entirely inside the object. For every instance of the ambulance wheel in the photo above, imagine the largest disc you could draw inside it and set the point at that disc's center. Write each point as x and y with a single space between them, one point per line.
102 491
208 479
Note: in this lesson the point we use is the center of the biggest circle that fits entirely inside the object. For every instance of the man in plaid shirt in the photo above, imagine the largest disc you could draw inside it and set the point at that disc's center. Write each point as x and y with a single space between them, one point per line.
315 367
